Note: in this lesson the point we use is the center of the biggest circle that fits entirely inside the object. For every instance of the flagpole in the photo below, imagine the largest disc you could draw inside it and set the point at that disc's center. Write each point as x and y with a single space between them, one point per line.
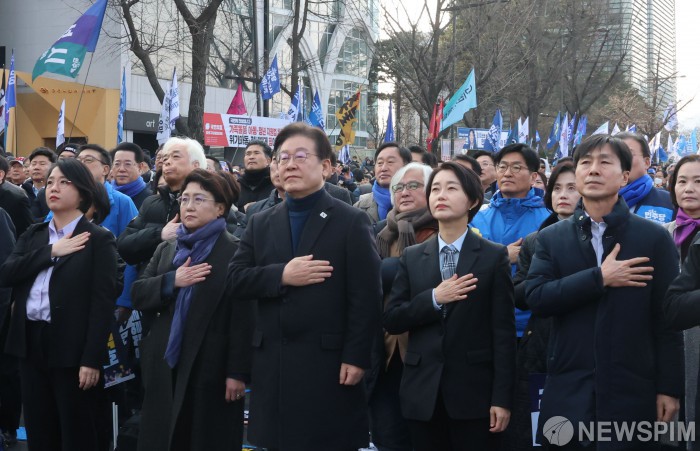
80 99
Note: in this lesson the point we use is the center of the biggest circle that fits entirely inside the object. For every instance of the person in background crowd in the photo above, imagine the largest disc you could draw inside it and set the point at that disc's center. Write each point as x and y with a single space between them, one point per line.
313 267
159 158
684 188
10 399
417 153
668 174
255 182
488 173
454 296
27 172
516 210
59 328
641 196
14 201
431 160
213 164
196 356
389 157
67 150
362 183
16 175
145 167
40 161
597 279
469 163
127 160
347 181
541 182
561 199
158 218
409 222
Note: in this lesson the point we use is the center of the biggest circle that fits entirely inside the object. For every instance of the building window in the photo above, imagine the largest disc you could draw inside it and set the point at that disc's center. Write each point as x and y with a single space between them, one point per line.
341 91
354 56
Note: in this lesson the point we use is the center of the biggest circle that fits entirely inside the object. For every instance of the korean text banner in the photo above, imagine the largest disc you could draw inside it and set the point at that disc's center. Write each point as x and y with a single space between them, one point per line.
228 130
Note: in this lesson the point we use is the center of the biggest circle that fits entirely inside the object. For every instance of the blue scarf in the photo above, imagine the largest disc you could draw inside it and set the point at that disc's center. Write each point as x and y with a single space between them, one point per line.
131 189
197 245
382 196
637 190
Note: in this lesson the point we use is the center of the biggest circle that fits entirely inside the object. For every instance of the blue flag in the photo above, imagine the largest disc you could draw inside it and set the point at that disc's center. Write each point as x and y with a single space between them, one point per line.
493 139
512 135
581 129
270 83
389 136
316 115
462 101
681 145
632 128
537 136
694 141
296 108
555 133
122 109
11 94
571 129
65 56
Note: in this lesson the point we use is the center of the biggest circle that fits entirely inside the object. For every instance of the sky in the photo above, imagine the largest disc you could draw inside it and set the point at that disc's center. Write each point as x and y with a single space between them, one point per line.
687 54
688 60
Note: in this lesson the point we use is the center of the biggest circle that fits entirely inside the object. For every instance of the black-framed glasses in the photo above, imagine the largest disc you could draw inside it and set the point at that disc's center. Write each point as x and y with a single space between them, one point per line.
285 157
514 167
411 186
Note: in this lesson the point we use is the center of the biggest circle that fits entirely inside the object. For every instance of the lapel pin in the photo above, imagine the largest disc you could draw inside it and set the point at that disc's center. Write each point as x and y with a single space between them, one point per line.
323 214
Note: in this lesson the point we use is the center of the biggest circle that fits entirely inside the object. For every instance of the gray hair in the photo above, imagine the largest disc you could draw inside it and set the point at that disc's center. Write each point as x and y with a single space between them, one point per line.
194 149
424 168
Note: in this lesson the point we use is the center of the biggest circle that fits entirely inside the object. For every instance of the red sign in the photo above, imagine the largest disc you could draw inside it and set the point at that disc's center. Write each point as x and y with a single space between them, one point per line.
227 130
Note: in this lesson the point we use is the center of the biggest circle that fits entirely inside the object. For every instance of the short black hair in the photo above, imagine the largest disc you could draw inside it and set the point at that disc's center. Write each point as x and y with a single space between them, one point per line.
139 154
265 147
476 167
323 146
417 149
67 147
565 160
558 170
486 153
215 160
674 176
646 151
101 204
471 184
598 141
530 156
4 165
81 178
404 153
43 152
104 155
430 159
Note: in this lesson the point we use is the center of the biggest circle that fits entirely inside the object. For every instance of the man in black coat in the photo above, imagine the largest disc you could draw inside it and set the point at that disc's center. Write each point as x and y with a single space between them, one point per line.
601 275
14 201
255 181
312 264
40 161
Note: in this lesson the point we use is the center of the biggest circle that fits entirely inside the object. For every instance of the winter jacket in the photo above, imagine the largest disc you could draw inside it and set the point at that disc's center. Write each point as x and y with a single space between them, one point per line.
656 206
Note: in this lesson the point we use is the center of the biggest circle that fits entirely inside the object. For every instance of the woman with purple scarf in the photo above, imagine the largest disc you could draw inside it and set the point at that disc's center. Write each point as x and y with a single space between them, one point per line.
196 357
684 188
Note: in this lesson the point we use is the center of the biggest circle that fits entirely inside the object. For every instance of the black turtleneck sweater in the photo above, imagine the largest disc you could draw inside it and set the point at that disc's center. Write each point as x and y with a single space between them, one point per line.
255 186
299 211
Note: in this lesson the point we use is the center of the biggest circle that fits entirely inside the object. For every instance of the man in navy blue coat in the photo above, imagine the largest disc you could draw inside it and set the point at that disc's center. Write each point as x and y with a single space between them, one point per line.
601 275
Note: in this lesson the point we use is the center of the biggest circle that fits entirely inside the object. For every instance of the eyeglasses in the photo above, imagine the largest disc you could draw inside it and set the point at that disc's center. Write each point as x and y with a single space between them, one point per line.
486 164
62 183
411 186
283 158
128 165
514 168
89 160
197 200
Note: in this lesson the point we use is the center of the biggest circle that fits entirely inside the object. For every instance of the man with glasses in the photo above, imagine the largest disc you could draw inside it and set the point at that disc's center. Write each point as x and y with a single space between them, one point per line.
516 210
127 159
312 264
40 161
640 194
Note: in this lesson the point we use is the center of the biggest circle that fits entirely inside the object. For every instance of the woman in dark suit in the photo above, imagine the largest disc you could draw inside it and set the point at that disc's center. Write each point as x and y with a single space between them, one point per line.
454 296
196 357
64 277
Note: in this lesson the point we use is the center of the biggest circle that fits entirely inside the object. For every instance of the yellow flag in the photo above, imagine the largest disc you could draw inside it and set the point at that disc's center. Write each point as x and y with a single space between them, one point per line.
347 115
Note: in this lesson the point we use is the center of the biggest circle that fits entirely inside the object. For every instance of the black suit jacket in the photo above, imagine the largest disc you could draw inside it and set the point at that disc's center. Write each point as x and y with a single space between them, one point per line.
17 205
469 356
303 334
82 293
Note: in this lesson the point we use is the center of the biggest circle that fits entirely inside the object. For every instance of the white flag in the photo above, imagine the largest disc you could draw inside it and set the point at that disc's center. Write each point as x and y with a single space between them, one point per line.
602 130
564 138
174 106
524 130
60 129
615 130
164 119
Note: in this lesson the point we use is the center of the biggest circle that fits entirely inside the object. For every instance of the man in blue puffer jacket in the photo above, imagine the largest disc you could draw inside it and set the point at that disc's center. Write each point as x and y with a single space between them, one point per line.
516 210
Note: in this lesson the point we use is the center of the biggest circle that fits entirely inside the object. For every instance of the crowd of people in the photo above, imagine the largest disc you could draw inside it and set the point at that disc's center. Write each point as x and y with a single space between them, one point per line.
398 300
